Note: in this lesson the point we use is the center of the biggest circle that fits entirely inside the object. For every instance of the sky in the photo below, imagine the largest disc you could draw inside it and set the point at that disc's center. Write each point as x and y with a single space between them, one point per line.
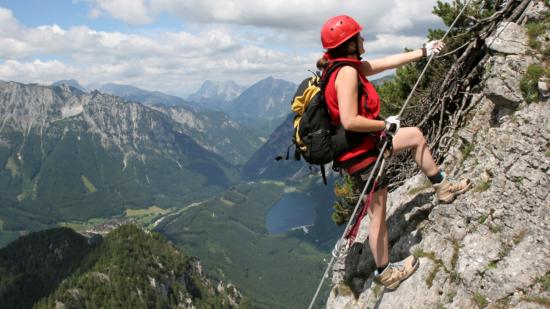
173 46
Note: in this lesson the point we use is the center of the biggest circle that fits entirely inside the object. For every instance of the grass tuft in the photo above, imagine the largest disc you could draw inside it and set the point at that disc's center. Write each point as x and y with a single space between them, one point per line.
545 281
438 264
482 219
451 296
466 151
483 186
495 228
535 29
480 300
491 265
529 82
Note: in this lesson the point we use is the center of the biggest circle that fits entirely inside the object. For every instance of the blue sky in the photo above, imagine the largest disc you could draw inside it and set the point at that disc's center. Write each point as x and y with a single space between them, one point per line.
173 46
68 13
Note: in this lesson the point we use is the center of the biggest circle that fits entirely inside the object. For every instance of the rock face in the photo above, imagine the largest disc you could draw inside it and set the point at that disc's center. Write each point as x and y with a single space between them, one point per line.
491 246
503 78
510 38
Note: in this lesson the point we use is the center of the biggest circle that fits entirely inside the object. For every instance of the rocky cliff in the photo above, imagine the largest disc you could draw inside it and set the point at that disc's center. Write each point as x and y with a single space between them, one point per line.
490 247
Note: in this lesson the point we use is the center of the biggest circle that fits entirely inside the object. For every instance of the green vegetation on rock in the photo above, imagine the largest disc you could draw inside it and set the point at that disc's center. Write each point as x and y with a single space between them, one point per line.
529 82
545 281
480 300
535 29
483 186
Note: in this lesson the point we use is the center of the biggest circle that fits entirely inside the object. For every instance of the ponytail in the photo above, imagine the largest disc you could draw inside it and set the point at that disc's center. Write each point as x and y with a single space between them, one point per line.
322 63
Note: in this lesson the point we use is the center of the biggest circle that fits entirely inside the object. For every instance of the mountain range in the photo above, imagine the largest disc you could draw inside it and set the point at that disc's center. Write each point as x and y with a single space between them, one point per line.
211 128
264 105
67 155
260 107
146 97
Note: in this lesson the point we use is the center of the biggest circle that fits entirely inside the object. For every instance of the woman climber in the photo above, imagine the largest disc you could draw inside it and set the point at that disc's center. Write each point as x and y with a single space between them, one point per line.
354 104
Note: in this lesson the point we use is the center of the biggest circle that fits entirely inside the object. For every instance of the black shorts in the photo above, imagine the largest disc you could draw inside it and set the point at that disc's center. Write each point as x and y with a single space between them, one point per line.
360 178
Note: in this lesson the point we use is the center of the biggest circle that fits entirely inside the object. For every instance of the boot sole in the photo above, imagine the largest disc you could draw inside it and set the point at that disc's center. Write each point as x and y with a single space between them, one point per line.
450 200
396 284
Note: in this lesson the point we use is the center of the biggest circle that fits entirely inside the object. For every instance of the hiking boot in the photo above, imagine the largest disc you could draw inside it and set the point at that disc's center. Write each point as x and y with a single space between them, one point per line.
446 191
397 272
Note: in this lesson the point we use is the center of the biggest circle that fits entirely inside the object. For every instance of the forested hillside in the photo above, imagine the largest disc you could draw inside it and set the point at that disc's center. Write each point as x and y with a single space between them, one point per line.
129 268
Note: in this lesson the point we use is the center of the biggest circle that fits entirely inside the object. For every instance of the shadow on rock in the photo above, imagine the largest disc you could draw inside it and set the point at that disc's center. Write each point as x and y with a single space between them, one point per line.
402 235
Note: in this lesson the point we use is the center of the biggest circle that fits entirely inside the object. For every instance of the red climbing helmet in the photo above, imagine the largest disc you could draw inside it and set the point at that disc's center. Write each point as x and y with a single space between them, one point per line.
337 30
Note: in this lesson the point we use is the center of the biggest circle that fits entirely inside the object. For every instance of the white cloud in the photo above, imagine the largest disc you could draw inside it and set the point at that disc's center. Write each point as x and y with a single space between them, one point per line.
283 14
36 71
235 39
391 43
133 12
8 23
297 23
176 62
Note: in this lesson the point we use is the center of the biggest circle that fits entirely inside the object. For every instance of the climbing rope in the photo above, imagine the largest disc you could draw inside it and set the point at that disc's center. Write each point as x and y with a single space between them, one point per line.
336 250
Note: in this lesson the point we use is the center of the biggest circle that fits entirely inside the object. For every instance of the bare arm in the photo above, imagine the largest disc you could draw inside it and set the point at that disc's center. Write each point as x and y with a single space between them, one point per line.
391 62
346 89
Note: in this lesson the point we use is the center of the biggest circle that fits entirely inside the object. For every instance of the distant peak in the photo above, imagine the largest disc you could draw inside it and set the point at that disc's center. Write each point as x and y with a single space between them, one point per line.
222 90
71 83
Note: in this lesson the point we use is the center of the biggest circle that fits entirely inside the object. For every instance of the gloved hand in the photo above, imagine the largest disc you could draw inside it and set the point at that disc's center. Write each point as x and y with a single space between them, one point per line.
433 47
392 125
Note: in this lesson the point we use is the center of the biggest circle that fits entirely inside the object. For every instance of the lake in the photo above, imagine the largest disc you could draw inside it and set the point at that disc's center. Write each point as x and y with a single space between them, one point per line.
293 210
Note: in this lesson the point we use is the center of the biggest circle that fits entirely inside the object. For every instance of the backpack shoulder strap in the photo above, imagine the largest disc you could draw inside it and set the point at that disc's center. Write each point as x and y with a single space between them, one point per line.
331 69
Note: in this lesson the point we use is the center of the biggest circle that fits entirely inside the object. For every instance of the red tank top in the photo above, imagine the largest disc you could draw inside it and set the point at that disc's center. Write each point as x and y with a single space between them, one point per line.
369 107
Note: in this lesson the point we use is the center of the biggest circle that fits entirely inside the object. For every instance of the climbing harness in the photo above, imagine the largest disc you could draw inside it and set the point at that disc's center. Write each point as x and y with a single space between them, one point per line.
380 160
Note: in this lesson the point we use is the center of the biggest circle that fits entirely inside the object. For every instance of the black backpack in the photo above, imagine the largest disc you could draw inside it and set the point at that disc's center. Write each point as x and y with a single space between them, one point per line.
316 139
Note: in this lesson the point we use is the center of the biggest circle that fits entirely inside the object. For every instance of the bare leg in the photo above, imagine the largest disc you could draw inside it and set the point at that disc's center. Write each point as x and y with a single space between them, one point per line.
412 138
378 231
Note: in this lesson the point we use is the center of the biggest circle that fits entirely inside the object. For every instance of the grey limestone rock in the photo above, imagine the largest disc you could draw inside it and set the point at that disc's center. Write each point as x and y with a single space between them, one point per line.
510 38
492 244
503 79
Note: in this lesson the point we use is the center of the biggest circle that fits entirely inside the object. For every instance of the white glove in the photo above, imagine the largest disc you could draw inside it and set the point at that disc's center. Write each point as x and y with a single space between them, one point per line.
392 125
433 47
